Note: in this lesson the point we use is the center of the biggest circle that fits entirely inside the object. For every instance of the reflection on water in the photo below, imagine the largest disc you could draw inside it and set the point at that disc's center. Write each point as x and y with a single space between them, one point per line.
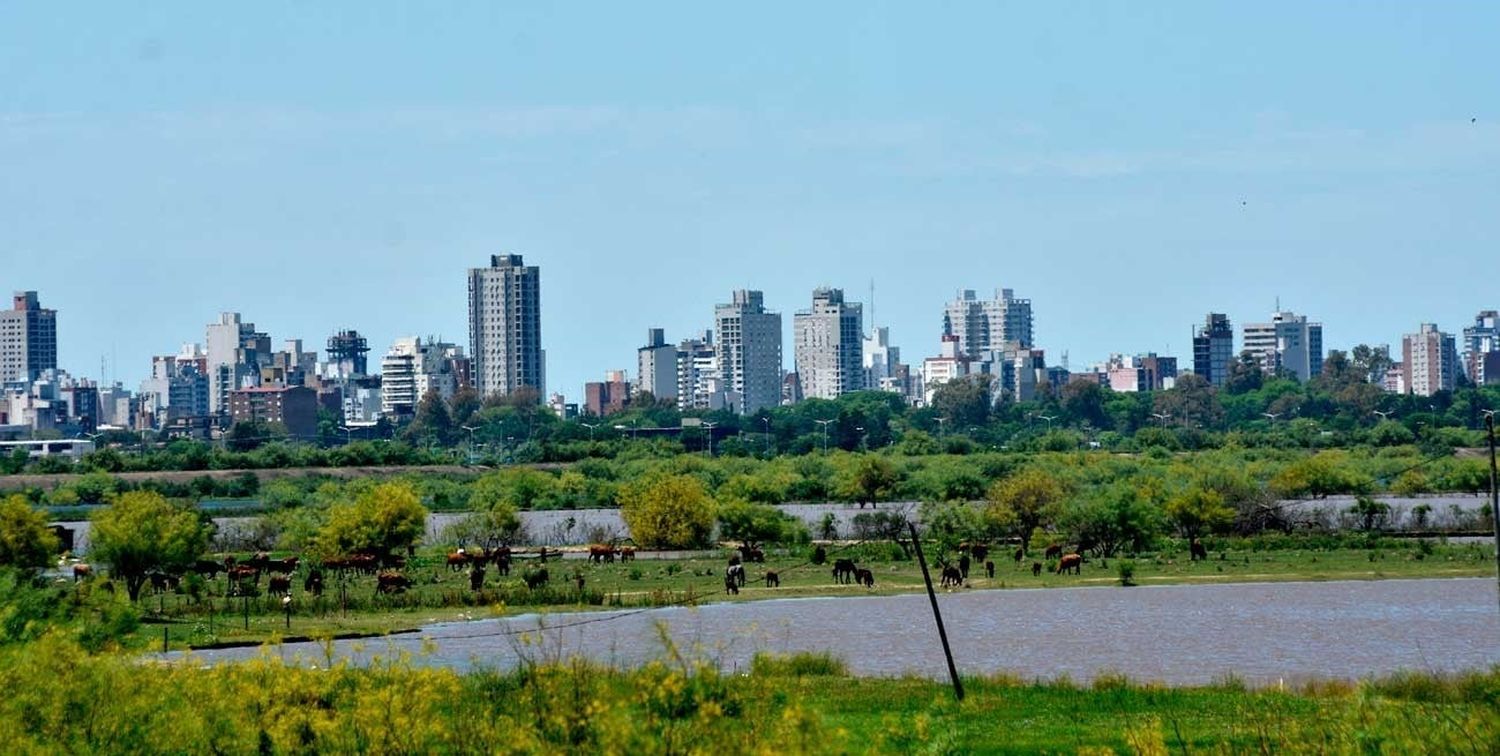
1176 634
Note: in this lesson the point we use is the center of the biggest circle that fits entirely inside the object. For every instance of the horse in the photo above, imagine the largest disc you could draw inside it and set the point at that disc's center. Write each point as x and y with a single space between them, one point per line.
391 582
1036 569
864 577
843 570
82 571
536 579
600 553
963 565
952 577
1197 550
476 577
980 552
773 580
737 571
458 560
989 569
208 567
731 583
1053 551
279 585
1020 555
627 553
313 583
1070 562
752 553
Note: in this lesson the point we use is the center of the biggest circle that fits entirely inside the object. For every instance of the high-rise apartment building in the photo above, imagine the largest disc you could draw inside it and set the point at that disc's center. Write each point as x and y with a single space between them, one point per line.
1213 349
656 366
28 339
748 338
1288 344
984 325
1429 361
1481 348
505 327
412 368
234 354
700 385
829 344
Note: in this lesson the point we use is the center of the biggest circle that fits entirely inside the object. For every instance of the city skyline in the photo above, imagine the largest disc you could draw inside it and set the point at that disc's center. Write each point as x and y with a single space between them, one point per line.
178 161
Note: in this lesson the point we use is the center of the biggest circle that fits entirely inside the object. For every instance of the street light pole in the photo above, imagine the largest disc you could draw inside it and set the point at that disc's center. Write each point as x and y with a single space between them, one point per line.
1049 419
470 429
591 427
710 427
767 421
824 423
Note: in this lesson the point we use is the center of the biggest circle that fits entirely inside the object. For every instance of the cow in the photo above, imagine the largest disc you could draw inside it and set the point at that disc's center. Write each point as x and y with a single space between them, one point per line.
260 561
457 561
1020 555
161 582
208 567
601 553
364 564
952 578
1053 551
627 553
752 553
1197 550
980 552
537 579
989 569
314 582
843 570
279 585
476 578
963 565
288 565
1070 562
1036 569
773 580
502 561
391 582
864 577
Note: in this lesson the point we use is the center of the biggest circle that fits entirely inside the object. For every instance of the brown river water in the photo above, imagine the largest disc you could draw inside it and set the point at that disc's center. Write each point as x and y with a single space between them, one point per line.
1263 633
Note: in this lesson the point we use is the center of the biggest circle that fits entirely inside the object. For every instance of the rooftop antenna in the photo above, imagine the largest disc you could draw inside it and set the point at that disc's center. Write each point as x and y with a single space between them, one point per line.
1065 359
872 305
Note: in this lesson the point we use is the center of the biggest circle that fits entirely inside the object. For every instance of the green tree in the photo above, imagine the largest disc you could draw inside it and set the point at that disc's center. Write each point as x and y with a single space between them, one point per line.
871 478
142 532
1197 511
380 520
489 529
248 435
1023 502
431 422
754 524
952 523
1244 375
667 511
964 401
25 541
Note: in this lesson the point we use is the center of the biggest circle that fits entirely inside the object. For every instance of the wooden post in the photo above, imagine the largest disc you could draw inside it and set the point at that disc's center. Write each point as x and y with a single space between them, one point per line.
164 637
958 686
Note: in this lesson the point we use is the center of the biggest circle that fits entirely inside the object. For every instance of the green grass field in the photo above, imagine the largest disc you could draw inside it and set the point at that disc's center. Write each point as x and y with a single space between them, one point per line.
441 595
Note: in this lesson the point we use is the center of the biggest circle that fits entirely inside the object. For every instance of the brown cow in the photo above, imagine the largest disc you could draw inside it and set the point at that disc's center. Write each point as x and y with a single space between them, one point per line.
1070 562
82 571
535 580
458 560
314 582
627 553
1053 551
601 553
279 585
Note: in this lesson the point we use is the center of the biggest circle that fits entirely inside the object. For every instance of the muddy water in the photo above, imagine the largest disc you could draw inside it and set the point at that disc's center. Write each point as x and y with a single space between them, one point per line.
1174 634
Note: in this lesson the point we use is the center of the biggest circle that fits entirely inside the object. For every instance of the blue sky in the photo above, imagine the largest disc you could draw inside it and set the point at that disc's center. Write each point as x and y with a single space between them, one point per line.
1127 166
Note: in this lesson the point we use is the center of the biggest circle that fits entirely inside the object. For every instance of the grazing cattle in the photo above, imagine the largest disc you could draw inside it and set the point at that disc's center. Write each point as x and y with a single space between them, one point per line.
288 565
600 553
314 582
161 582
391 582
1020 555
243 572
537 579
1053 551
843 570
1070 563
458 560
864 577
952 578
627 553
476 578
260 561
336 564
279 585
989 569
980 552
963 565
752 553
364 564
1197 550
208 567
502 562
1036 569
773 580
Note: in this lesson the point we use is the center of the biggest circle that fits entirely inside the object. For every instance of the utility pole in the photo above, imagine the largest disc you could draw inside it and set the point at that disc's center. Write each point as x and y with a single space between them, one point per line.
958 686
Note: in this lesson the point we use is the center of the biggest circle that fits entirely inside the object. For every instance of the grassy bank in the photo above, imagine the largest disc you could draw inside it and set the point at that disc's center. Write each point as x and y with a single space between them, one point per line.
441 595
62 700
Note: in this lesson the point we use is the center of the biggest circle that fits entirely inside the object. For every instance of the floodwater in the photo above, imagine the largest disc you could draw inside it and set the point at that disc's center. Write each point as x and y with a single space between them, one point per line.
1180 634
